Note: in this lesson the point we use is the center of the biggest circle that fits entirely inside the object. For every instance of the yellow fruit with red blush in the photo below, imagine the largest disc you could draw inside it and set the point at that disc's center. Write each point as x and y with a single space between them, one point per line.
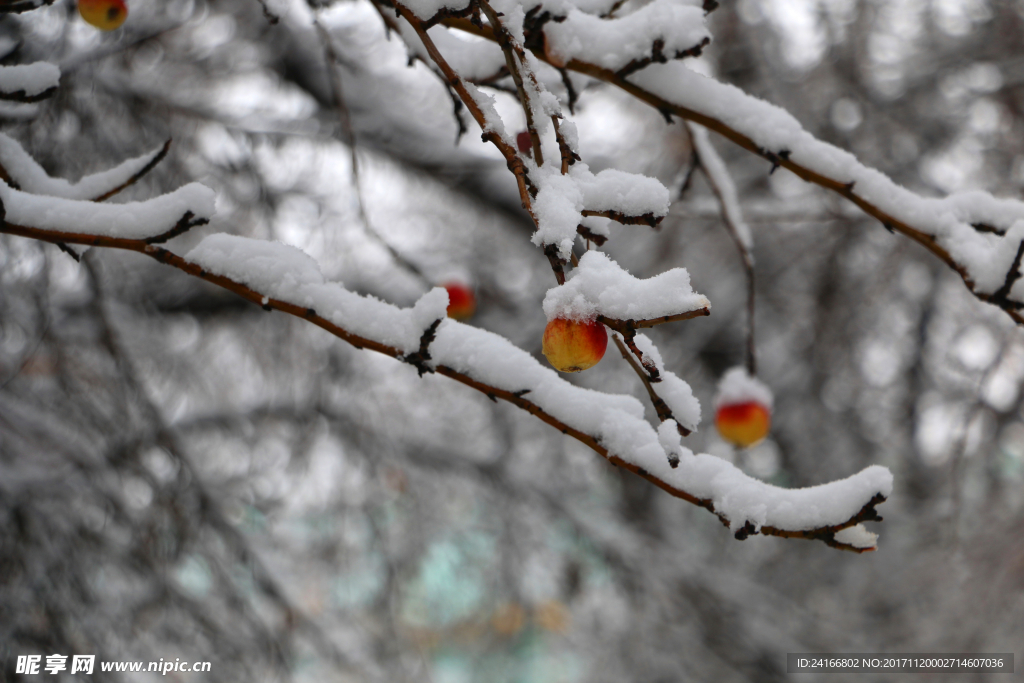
571 346
461 301
105 15
743 424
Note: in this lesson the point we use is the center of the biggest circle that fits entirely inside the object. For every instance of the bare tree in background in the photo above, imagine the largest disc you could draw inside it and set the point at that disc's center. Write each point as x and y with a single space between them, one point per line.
183 475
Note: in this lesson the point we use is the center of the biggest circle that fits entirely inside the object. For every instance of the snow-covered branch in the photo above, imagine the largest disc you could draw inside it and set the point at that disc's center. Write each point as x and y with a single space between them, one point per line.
88 223
279 277
562 199
557 199
725 191
19 6
977 235
19 170
28 82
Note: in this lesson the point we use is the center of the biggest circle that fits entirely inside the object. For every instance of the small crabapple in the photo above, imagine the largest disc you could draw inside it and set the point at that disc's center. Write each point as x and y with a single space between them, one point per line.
105 15
524 142
743 424
571 346
461 301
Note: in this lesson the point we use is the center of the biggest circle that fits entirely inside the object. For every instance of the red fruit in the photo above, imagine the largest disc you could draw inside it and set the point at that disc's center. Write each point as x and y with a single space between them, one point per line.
572 346
743 424
461 301
106 15
524 142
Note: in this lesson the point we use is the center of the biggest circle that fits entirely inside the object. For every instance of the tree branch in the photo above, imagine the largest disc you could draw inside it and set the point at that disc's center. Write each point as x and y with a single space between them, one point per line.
19 6
825 534
660 407
721 185
780 158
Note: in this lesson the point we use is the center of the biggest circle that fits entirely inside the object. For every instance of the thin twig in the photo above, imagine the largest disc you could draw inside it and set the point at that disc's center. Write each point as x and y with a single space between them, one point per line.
267 14
345 118
138 175
569 157
508 150
627 327
660 407
700 153
515 61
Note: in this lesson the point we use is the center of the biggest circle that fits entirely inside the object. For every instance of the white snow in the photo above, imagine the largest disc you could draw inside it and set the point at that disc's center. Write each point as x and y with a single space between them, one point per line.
557 208
631 194
33 179
614 43
283 272
724 188
132 220
30 78
486 104
986 257
599 286
668 436
425 9
512 15
676 393
570 134
472 58
858 536
561 7
742 498
737 386
598 225
561 200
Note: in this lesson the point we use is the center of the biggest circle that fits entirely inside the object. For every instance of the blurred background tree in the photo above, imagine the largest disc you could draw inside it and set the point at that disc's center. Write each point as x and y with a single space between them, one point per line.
184 475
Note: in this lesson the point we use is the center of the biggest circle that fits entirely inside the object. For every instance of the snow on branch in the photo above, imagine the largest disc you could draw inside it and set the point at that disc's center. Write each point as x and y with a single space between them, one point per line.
563 201
557 199
86 222
479 104
673 400
977 235
724 188
19 6
984 259
675 392
23 172
475 61
601 289
628 198
284 273
531 94
28 82
657 32
276 276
